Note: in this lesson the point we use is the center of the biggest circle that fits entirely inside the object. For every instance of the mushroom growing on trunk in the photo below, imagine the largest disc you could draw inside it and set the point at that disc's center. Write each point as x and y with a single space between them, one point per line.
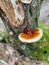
30 36
20 14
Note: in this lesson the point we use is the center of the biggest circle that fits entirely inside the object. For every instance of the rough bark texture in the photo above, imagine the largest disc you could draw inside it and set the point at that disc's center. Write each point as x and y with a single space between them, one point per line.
28 12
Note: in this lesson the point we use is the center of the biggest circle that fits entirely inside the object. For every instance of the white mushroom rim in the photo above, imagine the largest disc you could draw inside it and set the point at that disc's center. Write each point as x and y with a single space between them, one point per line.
32 40
26 1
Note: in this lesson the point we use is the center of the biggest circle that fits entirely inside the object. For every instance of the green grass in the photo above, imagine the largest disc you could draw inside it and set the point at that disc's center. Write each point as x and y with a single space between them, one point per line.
45 32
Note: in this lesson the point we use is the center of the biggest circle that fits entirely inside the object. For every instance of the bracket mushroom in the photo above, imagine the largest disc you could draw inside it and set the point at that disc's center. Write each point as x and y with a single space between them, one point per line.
31 38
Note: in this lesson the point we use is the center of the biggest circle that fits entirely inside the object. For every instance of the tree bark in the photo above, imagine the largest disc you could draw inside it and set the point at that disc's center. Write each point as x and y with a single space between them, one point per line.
33 13
29 12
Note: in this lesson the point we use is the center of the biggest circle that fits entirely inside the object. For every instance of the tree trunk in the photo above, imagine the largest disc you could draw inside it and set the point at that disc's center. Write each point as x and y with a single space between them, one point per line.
29 14
33 13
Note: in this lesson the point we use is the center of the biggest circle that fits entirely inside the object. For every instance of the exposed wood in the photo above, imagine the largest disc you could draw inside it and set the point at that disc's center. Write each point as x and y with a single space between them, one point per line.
15 14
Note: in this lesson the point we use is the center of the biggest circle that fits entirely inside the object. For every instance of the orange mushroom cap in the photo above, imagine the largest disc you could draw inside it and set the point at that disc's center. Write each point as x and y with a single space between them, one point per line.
34 37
